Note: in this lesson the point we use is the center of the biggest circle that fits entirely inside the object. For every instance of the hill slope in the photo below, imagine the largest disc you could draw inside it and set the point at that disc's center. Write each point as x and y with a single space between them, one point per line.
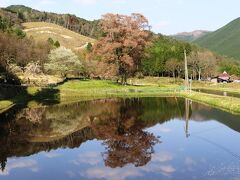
18 14
224 41
190 36
41 31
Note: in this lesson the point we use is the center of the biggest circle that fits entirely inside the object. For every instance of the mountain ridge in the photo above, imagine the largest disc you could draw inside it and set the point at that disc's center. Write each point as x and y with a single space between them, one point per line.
190 36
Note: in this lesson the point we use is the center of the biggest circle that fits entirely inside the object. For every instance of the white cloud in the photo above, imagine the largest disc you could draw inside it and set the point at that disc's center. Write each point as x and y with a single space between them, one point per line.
162 157
165 170
161 129
51 155
92 158
112 174
4 3
20 164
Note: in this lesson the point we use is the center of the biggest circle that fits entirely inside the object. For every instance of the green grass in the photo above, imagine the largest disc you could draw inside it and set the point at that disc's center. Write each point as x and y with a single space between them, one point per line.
225 41
41 31
229 104
94 89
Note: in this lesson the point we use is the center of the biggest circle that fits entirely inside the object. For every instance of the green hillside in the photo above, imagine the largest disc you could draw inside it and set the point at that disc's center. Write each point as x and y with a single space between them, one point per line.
225 41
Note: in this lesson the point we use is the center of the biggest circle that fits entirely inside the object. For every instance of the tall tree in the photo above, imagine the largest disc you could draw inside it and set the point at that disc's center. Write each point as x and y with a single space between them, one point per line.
172 66
124 42
203 63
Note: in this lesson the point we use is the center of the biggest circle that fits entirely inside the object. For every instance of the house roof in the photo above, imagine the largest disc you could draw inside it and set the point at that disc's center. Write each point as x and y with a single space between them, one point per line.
224 76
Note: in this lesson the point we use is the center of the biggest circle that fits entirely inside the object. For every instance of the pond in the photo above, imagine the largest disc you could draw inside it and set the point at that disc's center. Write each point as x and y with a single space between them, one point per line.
139 138
220 93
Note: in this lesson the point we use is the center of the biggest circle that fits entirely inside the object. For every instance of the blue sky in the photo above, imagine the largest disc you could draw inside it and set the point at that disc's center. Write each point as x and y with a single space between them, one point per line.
165 16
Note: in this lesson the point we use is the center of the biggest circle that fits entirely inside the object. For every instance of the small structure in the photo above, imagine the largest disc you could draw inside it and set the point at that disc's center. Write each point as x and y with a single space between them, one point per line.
224 78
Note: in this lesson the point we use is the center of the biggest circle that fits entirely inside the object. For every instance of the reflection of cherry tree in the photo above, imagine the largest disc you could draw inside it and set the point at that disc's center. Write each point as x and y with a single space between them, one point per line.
134 147
124 138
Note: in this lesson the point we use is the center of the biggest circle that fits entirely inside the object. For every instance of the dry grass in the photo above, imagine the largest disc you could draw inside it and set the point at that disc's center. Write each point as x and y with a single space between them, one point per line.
157 81
41 31
231 87
39 79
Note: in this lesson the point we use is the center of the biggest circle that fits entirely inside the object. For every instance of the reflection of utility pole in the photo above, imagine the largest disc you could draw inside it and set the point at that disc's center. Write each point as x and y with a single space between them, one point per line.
186 70
187 104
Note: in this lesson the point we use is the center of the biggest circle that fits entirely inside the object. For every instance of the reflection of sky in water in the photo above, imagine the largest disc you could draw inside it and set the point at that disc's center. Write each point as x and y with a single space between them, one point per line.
204 155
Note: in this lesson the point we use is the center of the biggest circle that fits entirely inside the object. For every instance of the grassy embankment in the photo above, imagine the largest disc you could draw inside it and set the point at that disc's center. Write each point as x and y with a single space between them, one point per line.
148 87
153 87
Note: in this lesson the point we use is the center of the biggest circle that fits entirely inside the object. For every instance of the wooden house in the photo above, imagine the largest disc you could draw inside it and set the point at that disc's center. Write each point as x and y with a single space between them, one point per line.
224 78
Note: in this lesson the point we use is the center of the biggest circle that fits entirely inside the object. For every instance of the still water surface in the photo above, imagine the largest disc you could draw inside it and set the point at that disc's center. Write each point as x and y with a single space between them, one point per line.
220 93
146 138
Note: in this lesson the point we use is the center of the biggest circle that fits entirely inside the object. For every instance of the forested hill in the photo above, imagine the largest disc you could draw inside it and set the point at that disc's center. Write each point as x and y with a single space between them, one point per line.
17 14
224 41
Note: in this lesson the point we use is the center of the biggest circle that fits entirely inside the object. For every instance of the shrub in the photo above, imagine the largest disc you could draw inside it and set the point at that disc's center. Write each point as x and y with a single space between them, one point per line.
64 62
57 44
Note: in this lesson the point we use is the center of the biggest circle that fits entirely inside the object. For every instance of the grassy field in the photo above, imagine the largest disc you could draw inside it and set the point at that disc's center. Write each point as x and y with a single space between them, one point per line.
77 89
149 87
41 31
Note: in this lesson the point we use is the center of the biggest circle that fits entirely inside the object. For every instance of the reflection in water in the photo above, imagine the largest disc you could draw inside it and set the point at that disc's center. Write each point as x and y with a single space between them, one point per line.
120 125
123 136
187 106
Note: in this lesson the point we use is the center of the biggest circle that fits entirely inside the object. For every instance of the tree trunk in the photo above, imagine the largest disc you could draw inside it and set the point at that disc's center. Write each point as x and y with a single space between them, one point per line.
124 79
199 75
174 76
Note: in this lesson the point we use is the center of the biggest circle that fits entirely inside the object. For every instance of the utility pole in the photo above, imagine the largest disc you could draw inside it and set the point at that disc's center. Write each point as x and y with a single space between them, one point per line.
186 71
190 84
